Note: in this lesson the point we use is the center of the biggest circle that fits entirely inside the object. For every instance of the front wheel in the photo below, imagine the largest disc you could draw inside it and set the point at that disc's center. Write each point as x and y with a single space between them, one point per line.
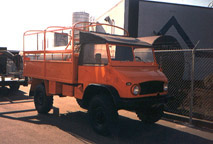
43 103
103 115
151 115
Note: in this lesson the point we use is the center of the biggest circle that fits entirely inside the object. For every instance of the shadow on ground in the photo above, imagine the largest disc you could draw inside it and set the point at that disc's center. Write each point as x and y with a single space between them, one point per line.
130 131
77 125
12 96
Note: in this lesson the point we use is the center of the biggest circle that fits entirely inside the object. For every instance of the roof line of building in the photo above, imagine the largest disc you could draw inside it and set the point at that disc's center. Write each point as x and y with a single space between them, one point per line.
186 5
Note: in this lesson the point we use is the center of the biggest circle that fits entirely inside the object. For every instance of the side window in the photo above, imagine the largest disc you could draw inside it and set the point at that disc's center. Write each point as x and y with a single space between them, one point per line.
121 53
93 54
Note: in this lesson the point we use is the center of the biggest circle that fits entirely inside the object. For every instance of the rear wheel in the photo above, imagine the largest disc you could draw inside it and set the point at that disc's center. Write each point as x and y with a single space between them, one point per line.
103 115
43 103
151 115
80 103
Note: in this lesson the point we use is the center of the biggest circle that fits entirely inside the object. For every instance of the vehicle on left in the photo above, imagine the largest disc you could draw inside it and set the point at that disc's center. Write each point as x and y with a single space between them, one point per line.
11 69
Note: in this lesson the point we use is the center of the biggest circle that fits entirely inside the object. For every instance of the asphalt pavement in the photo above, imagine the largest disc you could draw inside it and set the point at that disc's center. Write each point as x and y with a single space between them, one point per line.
67 123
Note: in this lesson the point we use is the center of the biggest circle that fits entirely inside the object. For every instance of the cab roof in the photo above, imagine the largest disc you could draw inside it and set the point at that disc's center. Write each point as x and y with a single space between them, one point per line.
100 38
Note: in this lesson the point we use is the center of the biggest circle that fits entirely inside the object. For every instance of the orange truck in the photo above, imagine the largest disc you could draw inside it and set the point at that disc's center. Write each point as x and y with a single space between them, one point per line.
104 72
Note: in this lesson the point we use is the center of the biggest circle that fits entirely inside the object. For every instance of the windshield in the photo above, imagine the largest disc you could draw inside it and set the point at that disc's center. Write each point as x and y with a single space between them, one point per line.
144 54
130 53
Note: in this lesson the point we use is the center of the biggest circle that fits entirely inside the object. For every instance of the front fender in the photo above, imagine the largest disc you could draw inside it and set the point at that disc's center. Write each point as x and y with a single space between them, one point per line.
93 89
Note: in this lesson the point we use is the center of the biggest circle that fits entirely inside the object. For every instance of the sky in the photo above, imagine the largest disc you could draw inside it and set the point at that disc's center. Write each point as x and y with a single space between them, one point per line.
17 16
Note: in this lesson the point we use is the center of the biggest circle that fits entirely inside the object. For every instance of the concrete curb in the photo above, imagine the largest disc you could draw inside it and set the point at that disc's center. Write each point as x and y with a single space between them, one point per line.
198 123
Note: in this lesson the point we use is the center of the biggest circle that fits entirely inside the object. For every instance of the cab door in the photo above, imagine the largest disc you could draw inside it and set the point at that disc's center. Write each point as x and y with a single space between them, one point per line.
93 63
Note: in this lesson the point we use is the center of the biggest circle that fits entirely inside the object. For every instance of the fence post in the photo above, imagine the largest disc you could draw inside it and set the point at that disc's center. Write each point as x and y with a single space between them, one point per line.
192 84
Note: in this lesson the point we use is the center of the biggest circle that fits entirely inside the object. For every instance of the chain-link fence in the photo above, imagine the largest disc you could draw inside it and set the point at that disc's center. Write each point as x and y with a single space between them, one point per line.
190 75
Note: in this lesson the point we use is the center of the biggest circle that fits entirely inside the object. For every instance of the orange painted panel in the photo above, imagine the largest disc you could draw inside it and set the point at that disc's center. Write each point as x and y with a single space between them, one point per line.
92 74
119 76
55 87
67 90
78 91
34 69
59 71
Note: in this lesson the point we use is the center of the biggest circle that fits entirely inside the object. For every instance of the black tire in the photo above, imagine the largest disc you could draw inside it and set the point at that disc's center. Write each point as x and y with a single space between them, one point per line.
43 103
80 103
151 115
103 115
14 87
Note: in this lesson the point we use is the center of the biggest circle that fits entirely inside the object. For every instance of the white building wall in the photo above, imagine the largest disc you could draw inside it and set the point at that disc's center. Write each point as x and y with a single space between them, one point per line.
116 14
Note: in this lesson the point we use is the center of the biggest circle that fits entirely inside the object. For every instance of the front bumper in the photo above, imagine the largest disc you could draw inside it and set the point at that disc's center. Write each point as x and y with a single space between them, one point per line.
142 103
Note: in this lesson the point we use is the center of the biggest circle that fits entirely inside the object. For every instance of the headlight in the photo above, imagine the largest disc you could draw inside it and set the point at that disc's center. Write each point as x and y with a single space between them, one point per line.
136 90
165 87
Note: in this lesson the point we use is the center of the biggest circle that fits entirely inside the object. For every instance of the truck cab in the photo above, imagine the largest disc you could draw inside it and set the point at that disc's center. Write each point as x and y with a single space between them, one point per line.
126 65
104 72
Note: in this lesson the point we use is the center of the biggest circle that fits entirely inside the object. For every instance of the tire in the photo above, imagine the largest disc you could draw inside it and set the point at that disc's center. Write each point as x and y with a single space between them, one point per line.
151 115
14 87
103 115
80 103
43 103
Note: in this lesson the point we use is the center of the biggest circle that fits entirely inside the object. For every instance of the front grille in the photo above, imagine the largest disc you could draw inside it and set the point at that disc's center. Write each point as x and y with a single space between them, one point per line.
151 87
